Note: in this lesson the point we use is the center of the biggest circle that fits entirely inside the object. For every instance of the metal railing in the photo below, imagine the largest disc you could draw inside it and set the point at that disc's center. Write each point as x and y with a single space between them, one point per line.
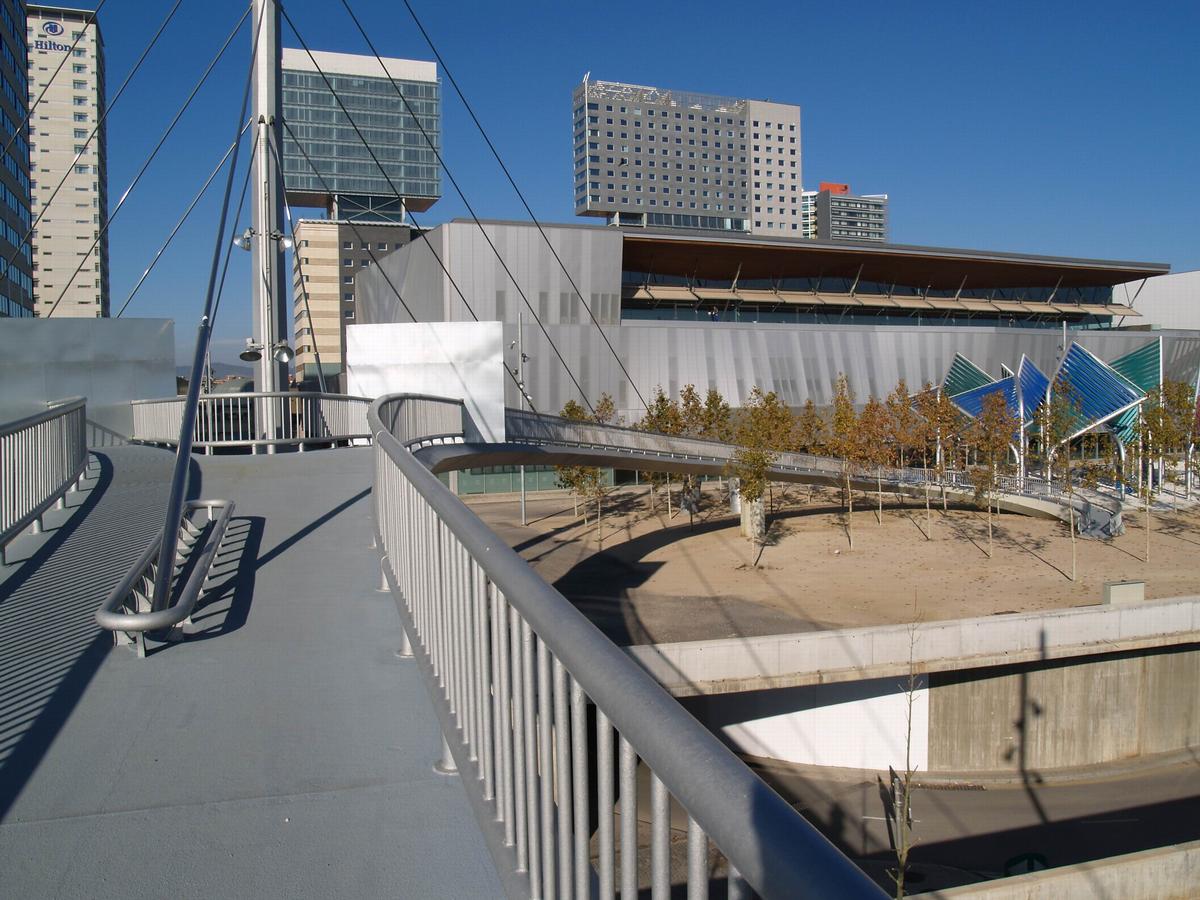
41 458
515 671
233 420
129 612
540 429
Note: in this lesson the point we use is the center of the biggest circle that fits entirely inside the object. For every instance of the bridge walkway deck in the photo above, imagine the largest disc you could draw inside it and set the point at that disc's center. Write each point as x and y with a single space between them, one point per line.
281 749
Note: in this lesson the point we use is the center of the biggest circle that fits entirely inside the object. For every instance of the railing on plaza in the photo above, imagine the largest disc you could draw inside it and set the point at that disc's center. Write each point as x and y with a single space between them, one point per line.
540 429
232 420
41 458
515 671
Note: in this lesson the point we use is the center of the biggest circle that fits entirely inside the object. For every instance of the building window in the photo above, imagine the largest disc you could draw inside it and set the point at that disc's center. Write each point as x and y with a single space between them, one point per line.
347 245
382 245
348 314
347 279
349 298
347 262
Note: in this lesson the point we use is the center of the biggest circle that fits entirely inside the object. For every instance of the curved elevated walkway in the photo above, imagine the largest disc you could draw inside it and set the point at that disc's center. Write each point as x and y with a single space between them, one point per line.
535 439
282 749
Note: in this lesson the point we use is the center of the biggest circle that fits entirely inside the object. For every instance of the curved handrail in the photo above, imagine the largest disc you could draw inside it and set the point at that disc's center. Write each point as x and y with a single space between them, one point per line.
110 618
465 590
239 419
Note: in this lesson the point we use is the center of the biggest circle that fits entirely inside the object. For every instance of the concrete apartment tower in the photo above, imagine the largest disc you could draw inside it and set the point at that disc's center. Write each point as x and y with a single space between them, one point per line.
367 209
16 282
646 156
70 245
833 213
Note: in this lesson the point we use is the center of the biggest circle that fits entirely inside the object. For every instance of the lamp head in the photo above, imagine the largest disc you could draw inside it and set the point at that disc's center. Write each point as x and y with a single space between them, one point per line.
282 353
252 353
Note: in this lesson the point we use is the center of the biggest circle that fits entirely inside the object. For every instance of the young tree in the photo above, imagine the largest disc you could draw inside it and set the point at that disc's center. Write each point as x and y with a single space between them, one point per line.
1165 427
902 422
763 429
872 439
587 482
810 429
1060 418
662 417
992 434
844 444
929 432
716 419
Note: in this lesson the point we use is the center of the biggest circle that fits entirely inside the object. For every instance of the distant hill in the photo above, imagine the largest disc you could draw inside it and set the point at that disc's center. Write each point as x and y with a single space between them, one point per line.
220 370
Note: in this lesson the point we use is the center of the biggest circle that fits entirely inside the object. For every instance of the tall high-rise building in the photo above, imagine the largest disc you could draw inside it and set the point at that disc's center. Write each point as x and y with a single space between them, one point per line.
649 156
349 182
67 145
367 191
16 263
832 213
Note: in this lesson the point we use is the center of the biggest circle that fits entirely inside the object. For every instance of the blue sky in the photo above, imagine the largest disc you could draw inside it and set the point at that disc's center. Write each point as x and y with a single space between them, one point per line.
1056 128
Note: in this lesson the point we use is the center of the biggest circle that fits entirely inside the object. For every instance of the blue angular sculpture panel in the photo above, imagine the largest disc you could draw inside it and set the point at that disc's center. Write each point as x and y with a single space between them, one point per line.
1101 392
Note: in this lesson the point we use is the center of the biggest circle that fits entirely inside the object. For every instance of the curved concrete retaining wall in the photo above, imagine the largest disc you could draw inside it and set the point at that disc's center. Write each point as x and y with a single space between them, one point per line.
1037 691
1165 873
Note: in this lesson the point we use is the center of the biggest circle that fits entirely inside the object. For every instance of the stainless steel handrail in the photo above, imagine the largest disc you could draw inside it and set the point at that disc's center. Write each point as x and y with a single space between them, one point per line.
515 666
140 580
42 457
232 420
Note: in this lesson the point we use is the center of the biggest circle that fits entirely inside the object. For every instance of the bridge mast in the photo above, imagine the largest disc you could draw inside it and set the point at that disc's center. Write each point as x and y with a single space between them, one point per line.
267 285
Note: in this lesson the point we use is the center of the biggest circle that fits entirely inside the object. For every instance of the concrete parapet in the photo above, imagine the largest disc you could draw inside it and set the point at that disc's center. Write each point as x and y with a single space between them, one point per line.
788 660
1165 873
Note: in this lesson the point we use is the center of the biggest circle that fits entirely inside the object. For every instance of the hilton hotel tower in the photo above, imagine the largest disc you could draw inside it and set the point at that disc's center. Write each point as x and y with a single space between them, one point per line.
70 247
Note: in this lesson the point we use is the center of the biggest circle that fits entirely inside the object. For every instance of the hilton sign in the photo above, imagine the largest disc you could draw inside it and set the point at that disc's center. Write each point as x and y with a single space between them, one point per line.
51 29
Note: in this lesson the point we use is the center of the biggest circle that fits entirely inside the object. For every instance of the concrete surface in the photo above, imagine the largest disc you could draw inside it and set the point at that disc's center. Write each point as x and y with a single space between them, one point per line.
787 660
1168 873
281 750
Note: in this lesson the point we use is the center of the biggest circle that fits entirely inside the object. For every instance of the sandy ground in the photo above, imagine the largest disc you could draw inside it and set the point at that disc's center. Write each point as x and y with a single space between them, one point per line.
658 579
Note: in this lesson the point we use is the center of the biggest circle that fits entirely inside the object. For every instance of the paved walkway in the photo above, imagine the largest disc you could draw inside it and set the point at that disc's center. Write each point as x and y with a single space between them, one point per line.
281 750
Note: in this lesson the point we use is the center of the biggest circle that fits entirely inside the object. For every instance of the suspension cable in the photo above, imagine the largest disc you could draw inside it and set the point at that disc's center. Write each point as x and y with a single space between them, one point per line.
237 216
96 130
366 245
179 224
399 196
153 153
70 54
312 326
470 111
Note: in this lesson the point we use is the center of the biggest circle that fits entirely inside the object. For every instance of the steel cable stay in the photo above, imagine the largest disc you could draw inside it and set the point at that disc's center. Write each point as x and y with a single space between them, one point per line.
397 194
312 326
179 224
237 217
170 535
96 130
150 159
366 245
70 54
507 174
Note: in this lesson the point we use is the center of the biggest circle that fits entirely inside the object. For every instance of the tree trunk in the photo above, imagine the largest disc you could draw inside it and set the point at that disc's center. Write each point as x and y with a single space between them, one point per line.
753 519
849 512
668 496
599 522
928 511
1071 516
879 485
1147 526
989 530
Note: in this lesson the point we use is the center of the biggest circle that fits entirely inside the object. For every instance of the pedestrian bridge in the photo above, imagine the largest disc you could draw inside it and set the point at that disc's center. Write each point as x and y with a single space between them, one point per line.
352 622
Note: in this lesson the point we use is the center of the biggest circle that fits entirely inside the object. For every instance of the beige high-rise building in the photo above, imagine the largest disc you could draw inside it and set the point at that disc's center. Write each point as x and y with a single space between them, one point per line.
328 255
66 139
